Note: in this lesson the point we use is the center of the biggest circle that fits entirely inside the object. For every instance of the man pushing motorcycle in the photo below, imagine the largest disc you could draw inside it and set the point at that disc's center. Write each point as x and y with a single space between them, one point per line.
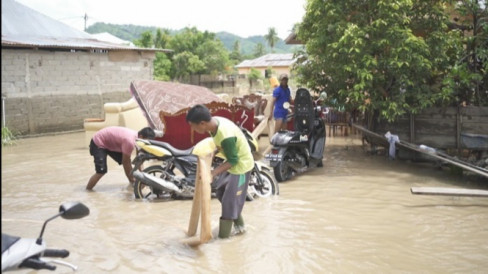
118 143
234 173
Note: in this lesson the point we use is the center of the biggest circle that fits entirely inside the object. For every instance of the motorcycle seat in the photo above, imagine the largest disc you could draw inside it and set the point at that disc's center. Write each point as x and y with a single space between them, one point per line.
304 111
172 149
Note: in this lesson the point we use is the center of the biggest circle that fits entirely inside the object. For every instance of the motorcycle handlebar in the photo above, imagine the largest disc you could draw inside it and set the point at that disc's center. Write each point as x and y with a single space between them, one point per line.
37 264
60 253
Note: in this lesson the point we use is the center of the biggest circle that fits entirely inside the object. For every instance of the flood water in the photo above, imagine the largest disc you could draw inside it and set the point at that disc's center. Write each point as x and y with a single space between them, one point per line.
354 215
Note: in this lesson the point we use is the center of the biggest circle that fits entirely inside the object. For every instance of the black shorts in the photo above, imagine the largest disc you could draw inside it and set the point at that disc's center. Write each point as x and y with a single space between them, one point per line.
100 157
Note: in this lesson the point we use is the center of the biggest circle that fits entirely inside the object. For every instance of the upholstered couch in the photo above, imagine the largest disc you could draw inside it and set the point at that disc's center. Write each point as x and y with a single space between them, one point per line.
125 114
178 133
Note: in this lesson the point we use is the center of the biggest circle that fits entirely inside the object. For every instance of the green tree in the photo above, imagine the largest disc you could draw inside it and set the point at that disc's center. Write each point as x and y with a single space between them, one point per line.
259 50
271 38
468 78
162 38
253 76
373 56
208 55
186 63
146 40
162 67
214 56
235 55
194 52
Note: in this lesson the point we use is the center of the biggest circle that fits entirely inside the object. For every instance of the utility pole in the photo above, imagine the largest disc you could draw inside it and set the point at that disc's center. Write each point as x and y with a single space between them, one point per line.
86 19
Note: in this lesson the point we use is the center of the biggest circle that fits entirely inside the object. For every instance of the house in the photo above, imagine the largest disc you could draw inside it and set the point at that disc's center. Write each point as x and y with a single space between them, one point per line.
279 63
53 75
293 40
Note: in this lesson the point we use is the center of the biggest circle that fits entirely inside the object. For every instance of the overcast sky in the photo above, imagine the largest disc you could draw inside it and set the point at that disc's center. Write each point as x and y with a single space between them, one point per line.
244 18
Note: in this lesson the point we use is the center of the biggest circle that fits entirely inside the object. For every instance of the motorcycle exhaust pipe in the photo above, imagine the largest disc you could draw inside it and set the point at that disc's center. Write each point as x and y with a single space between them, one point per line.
154 181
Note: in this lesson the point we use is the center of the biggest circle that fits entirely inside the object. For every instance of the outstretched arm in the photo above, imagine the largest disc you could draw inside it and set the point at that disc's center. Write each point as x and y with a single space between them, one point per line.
126 162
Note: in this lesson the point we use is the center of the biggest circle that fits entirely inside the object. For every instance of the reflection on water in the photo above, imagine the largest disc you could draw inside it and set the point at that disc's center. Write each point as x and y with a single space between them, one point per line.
354 215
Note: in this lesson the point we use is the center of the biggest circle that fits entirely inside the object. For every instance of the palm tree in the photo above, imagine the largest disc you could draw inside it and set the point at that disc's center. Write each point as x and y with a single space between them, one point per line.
271 38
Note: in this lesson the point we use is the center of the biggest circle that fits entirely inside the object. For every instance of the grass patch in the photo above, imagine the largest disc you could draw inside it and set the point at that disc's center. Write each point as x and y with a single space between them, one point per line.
8 138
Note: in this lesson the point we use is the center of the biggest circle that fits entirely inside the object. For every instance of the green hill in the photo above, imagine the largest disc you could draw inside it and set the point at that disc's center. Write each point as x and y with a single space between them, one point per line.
133 32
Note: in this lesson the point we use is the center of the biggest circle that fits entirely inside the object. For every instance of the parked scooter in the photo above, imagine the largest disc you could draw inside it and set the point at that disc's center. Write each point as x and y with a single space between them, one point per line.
20 252
296 151
175 176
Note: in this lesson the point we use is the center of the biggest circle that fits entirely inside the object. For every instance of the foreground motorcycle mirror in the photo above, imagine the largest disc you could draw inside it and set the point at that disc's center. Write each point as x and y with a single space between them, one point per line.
68 210
73 210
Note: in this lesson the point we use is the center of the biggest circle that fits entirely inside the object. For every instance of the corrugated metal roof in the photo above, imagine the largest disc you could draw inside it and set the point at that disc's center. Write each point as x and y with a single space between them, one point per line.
107 37
269 60
25 27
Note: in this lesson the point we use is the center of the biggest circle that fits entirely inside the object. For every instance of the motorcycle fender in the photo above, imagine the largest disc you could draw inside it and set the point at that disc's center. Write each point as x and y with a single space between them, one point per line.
262 166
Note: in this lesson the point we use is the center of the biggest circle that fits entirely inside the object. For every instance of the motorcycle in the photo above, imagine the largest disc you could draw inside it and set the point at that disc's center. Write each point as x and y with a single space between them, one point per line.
175 176
296 151
18 252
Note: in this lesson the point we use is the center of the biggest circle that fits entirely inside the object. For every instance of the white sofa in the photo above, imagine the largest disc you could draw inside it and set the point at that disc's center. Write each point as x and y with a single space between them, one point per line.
125 114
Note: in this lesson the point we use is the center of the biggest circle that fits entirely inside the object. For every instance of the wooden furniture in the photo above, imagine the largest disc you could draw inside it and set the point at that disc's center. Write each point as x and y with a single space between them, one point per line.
178 133
255 102
337 120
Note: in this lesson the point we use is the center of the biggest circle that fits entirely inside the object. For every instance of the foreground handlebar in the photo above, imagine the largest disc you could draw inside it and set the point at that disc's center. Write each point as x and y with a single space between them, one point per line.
37 264
60 253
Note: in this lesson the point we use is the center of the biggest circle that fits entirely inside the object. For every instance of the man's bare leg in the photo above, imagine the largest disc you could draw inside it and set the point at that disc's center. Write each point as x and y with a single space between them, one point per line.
94 180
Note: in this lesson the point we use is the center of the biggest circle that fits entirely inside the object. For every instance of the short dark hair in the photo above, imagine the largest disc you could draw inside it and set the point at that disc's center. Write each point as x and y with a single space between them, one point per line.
198 113
147 133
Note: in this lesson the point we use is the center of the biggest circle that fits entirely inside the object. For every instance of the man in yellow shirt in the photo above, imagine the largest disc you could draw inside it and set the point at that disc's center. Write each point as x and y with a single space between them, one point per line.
234 173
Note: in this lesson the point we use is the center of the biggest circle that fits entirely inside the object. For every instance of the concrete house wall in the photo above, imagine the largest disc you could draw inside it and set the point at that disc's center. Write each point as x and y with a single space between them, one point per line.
53 90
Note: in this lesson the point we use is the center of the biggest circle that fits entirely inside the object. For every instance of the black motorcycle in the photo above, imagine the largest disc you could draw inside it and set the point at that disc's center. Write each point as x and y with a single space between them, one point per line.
174 175
296 151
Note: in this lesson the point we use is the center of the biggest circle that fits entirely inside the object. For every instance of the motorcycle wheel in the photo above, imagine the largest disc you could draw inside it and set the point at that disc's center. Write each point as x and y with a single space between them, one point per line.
143 191
268 188
281 171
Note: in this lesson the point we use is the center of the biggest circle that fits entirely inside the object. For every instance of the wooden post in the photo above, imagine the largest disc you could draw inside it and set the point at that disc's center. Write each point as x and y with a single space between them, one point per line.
449 191
412 128
458 129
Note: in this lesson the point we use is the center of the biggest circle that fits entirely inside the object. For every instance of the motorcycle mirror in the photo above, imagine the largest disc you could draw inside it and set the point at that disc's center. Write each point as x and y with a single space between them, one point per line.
68 210
73 210
286 105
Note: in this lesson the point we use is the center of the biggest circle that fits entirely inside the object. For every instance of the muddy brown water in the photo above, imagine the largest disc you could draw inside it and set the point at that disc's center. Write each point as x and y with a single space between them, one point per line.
354 215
